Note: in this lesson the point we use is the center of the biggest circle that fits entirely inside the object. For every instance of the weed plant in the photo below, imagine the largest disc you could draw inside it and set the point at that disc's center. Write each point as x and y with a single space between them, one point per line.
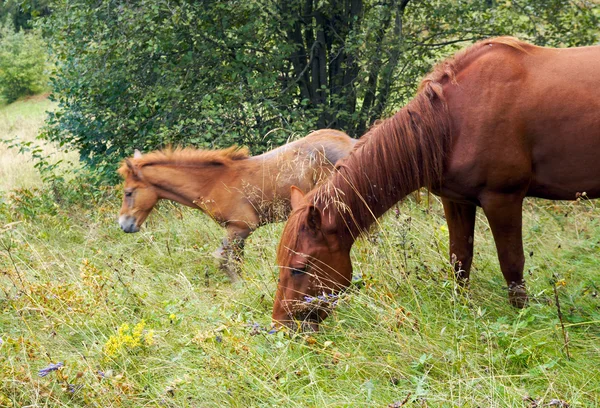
93 317
147 319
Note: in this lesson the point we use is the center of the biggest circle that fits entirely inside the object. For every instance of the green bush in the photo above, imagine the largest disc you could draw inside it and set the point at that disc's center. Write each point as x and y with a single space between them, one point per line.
23 12
147 73
22 62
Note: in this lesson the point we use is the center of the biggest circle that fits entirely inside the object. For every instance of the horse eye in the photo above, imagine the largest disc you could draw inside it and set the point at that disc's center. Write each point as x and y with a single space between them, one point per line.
128 193
299 271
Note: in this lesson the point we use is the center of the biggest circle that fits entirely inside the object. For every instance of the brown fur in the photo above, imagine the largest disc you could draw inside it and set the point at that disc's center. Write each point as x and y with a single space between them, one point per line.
187 157
447 69
499 121
236 190
409 149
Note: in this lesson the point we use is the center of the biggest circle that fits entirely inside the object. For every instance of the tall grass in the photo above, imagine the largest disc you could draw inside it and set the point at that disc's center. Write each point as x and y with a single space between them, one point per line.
71 280
22 120
73 288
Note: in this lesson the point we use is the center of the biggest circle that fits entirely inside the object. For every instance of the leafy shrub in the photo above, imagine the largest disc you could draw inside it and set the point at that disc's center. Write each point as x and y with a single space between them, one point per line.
22 62
22 12
144 74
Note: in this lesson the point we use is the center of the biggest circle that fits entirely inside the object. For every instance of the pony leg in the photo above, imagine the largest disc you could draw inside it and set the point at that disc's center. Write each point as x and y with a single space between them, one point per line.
227 264
219 253
505 214
232 251
461 226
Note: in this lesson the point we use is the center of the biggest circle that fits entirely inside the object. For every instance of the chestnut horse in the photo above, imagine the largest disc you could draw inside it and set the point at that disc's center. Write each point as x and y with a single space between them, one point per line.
499 121
238 191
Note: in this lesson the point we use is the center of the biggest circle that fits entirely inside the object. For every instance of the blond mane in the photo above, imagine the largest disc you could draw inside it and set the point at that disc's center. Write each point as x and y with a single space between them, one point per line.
187 156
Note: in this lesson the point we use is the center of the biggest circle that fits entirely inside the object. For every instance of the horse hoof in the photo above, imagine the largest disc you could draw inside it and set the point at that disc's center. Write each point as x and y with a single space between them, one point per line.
517 295
233 276
219 254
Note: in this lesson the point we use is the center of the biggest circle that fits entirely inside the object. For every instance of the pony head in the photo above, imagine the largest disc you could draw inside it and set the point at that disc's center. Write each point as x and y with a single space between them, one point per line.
314 266
139 197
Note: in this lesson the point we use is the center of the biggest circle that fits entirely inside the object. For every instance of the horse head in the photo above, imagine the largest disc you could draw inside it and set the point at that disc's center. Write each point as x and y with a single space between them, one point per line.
314 266
139 196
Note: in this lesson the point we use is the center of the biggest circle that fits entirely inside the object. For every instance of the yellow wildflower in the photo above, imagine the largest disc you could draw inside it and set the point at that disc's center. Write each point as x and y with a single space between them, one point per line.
128 339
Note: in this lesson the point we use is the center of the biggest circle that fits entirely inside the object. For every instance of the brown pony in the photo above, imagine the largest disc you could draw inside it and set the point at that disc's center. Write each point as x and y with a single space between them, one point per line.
499 121
238 191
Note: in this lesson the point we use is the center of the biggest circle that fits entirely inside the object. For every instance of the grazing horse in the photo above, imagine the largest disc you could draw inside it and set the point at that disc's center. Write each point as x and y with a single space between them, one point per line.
238 191
499 121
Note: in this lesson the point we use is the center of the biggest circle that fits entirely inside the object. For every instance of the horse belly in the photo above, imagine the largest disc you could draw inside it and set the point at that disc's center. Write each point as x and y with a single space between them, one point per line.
561 112
564 174
565 148
566 154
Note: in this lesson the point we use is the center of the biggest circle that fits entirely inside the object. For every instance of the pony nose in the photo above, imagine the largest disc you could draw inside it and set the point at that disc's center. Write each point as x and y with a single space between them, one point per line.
129 228
127 224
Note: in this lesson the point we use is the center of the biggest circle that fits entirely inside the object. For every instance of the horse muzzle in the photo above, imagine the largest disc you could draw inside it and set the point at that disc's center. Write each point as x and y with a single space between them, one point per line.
128 224
305 321
303 324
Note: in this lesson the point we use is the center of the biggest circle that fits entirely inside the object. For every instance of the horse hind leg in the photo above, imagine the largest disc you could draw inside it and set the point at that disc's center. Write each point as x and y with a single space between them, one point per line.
504 213
461 226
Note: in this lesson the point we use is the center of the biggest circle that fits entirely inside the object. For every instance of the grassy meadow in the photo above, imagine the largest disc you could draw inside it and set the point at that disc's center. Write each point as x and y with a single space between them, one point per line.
20 121
148 320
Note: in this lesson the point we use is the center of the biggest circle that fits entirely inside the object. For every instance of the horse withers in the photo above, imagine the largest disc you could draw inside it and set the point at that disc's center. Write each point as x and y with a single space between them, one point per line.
499 121
239 191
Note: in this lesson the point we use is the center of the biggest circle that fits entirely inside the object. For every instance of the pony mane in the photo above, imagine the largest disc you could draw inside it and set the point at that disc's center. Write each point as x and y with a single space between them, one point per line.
187 156
395 157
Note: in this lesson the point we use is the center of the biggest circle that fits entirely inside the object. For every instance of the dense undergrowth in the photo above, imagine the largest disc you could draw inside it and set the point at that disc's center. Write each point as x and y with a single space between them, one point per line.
148 320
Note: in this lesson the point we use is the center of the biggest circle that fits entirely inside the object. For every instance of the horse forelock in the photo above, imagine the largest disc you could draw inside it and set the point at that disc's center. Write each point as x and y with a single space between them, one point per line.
127 168
124 170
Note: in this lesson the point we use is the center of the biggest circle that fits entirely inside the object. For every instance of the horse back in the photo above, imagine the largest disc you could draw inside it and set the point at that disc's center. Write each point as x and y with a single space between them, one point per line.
527 118
333 144
265 181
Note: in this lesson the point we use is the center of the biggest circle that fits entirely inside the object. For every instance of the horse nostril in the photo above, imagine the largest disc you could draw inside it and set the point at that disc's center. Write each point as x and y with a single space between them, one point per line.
132 228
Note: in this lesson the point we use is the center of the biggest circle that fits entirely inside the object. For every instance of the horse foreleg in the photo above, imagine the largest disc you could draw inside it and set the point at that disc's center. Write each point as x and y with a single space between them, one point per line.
228 262
232 250
504 212
461 226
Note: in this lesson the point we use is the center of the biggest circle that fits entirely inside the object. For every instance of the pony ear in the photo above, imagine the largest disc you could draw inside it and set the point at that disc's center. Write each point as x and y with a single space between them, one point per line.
296 197
137 154
313 218
133 168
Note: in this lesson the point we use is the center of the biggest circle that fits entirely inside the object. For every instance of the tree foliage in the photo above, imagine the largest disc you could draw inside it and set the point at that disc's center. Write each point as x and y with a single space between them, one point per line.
22 62
22 12
147 73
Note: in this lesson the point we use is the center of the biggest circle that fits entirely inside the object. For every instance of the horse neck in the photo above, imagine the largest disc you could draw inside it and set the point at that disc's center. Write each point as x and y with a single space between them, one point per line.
402 154
183 184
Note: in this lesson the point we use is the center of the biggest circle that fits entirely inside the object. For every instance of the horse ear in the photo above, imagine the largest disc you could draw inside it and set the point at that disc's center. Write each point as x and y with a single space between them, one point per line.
313 219
137 154
296 197
133 168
